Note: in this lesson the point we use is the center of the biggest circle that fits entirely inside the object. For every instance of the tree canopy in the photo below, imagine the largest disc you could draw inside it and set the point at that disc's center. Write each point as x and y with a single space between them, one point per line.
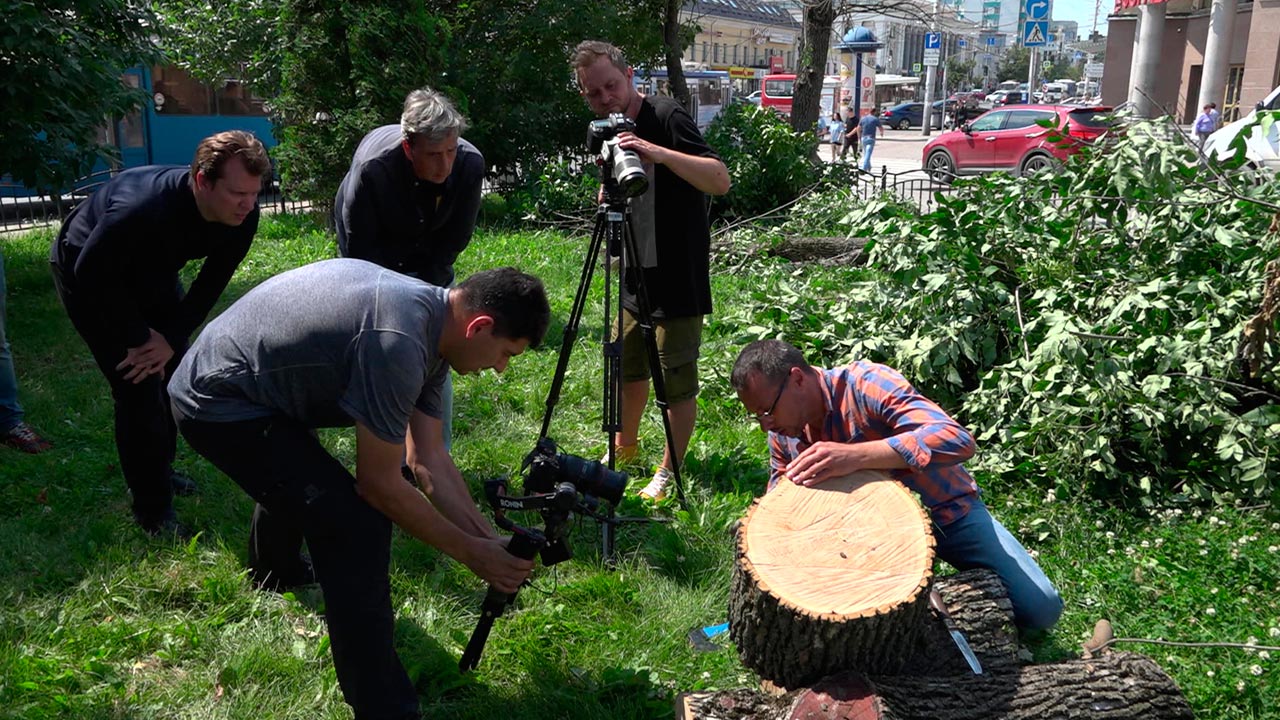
60 67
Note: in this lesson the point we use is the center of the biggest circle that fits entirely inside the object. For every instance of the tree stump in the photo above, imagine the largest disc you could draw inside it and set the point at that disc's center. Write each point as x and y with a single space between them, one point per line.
1115 686
831 578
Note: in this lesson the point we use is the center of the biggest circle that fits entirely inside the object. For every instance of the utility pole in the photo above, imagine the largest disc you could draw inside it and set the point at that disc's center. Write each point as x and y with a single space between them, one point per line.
1031 73
930 77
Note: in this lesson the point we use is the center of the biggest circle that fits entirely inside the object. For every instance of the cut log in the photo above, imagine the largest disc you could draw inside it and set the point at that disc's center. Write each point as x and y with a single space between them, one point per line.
831 578
980 607
1115 686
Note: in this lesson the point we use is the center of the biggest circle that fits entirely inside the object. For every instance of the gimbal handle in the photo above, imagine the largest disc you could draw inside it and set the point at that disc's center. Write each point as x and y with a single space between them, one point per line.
525 543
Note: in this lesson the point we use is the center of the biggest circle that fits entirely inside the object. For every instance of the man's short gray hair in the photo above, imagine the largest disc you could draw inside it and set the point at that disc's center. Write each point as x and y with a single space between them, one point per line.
430 115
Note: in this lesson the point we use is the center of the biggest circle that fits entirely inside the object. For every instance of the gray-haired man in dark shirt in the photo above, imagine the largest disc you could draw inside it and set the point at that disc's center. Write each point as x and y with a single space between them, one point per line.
410 200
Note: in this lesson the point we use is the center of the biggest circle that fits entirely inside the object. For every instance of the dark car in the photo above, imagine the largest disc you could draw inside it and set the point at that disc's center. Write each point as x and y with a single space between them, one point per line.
908 114
1013 138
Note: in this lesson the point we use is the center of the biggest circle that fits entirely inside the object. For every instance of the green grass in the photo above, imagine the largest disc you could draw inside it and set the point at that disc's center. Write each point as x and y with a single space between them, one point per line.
97 621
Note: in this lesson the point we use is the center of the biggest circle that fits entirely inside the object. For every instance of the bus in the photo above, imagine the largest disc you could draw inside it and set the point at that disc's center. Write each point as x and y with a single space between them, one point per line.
777 91
710 90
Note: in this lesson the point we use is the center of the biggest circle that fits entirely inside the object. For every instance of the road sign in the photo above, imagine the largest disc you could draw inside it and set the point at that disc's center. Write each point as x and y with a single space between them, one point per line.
962 43
915 68
991 42
1093 70
933 40
1047 65
1037 9
931 61
1035 33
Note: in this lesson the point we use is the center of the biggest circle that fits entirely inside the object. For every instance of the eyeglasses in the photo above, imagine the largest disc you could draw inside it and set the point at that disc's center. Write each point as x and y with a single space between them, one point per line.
760 417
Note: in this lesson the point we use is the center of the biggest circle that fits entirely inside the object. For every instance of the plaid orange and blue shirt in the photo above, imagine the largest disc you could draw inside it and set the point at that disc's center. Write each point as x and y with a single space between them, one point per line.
869 401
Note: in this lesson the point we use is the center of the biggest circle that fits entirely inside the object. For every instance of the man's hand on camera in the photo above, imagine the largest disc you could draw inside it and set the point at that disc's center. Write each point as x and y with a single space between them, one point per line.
493 564
147 359
647 151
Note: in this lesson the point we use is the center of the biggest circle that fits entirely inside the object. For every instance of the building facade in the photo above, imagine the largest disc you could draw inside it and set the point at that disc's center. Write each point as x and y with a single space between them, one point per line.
1253 57
747 38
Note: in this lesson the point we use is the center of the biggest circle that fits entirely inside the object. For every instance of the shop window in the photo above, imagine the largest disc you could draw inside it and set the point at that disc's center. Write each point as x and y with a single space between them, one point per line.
177 93
234 98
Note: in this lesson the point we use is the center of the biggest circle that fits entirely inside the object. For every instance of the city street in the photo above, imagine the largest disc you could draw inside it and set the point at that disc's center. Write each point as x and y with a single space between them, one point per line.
897 150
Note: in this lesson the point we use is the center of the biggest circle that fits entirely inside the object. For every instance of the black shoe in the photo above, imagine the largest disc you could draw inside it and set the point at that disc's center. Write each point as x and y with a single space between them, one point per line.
183 484
164 527
281 579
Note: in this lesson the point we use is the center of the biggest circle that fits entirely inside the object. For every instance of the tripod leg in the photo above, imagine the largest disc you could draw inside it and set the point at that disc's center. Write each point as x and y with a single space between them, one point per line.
644 318
575 319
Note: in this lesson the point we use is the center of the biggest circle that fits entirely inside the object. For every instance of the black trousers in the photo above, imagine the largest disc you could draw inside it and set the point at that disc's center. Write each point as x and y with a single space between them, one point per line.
146 437
307 494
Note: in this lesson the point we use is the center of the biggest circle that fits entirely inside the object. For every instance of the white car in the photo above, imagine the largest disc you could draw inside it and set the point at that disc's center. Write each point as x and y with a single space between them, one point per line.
1261 150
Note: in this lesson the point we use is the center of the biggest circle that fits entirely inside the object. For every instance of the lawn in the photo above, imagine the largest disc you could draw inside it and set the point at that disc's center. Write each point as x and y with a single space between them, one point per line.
99 621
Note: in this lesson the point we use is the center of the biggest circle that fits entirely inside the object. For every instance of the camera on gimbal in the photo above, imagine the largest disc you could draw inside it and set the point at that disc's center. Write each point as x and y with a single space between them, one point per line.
558 485
625 166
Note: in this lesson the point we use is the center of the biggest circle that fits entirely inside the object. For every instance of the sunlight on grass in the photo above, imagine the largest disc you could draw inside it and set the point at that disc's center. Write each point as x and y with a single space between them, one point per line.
97 621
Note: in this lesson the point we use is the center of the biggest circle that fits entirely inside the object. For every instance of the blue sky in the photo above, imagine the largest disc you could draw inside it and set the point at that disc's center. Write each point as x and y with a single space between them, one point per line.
1082 12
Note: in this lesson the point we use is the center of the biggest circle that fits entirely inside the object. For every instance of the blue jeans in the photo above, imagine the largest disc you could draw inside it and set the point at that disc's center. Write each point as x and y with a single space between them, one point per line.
978 540
10 410
868 144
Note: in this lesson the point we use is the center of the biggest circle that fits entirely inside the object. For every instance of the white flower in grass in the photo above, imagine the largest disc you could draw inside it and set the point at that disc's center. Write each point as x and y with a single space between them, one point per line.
1200 541
1264 655
1239 686
1145 544
1213 520
1209 673
1255 669
1111 535
1210 611
1273 632
1111 551
1098 524
1203 551
1213 591
1275 526
1273 548
1159 542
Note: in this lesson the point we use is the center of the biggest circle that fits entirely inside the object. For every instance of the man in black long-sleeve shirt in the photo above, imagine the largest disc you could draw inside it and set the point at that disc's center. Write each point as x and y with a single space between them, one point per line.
410 200
115 266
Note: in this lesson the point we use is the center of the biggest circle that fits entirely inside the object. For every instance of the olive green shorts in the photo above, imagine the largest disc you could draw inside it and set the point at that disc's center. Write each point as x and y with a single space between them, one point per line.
679 341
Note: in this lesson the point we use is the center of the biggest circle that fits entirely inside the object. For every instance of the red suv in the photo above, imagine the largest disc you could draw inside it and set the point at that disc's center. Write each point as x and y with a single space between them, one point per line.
1012 138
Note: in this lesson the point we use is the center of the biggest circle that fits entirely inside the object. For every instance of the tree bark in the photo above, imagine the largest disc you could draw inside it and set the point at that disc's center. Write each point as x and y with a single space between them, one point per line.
674 51
980 608
1115 686
818 18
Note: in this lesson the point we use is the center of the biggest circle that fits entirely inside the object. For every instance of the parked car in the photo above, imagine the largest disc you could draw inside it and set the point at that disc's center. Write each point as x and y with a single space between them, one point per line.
753 98
1007 97
908 114
1261 150
1011 138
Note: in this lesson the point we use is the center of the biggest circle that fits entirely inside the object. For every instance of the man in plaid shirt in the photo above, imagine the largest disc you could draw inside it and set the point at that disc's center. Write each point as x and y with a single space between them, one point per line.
825 424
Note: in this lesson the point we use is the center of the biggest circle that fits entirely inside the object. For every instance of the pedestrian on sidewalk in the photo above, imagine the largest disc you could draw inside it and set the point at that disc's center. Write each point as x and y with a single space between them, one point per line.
836 130
867 128
1204 126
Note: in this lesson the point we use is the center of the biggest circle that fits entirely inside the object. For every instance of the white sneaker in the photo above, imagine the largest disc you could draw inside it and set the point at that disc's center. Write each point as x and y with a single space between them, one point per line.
657 487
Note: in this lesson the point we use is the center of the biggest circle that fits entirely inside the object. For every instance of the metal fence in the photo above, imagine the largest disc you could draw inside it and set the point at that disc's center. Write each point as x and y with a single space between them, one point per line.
914 187
22 209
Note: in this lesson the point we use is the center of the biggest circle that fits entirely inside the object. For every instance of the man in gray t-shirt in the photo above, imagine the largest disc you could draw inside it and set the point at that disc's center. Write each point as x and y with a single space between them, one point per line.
338 343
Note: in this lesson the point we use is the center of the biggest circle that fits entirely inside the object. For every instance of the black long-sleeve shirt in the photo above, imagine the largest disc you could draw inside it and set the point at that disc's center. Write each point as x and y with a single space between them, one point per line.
120 252
384 214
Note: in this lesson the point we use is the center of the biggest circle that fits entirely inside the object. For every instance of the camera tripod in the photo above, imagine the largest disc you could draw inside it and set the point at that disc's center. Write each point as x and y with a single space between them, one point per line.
613 228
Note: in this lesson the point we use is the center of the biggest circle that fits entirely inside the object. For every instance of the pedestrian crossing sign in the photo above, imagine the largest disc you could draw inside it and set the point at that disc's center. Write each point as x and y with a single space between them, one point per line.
1036 33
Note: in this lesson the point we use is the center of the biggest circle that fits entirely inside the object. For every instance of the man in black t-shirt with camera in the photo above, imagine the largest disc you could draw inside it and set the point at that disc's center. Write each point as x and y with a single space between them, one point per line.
673 240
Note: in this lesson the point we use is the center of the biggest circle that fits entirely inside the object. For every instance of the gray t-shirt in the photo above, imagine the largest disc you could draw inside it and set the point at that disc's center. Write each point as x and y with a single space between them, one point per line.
328 344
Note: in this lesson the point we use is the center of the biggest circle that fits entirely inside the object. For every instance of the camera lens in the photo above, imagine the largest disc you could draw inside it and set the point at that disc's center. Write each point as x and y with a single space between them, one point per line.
628 170
592 478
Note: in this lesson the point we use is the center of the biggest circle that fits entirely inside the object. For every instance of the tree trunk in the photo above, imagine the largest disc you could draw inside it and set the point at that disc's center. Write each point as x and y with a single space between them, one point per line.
674 52
980 608
815 39
1115 686
831 578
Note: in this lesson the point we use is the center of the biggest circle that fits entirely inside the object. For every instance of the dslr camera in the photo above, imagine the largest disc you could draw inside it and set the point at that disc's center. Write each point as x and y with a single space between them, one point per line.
624 166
